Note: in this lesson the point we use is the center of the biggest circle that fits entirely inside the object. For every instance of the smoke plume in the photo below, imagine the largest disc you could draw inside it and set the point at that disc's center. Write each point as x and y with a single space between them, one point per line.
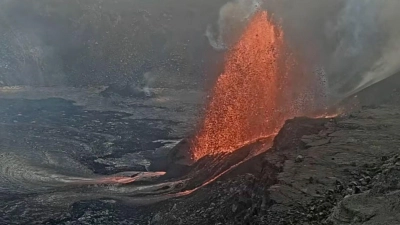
233 16
367 50
356 43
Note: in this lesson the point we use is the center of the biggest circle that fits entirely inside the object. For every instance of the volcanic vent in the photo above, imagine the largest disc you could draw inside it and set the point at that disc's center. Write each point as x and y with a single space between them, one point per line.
261 86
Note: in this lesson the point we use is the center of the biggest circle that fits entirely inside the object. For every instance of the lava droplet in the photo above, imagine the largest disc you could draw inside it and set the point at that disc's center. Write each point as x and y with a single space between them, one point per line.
258 90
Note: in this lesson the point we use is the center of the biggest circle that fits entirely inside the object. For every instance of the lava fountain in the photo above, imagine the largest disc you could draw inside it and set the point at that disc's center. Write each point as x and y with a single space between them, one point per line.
261 86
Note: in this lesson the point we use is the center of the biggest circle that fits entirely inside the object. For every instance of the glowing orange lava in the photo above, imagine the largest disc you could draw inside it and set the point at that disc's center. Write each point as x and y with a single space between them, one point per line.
254 95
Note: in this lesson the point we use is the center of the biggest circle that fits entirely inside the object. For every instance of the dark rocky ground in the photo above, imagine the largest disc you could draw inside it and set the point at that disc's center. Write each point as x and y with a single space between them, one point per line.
318 171
47 136
108 134
337 171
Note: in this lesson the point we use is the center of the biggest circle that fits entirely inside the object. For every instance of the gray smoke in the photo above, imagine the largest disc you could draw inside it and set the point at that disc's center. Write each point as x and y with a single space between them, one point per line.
388 62
233 16
367 50
97 42
356 42
25 57
102 42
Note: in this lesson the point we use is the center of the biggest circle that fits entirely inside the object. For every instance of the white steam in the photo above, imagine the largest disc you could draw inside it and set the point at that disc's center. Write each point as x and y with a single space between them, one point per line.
389 61
148 80
368 47
356 42
232 17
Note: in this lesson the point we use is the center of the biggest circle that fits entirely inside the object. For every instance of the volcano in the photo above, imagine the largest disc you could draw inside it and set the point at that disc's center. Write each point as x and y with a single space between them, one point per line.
262 85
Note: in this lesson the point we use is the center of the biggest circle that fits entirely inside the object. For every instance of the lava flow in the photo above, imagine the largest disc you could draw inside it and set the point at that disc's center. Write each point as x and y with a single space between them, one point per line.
260 88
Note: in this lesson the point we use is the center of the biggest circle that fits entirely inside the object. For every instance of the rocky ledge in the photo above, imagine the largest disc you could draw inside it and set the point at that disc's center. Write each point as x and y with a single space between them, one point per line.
319 171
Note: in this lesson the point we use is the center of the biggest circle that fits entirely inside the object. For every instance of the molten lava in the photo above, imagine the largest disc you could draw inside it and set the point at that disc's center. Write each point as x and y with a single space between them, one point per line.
255 94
